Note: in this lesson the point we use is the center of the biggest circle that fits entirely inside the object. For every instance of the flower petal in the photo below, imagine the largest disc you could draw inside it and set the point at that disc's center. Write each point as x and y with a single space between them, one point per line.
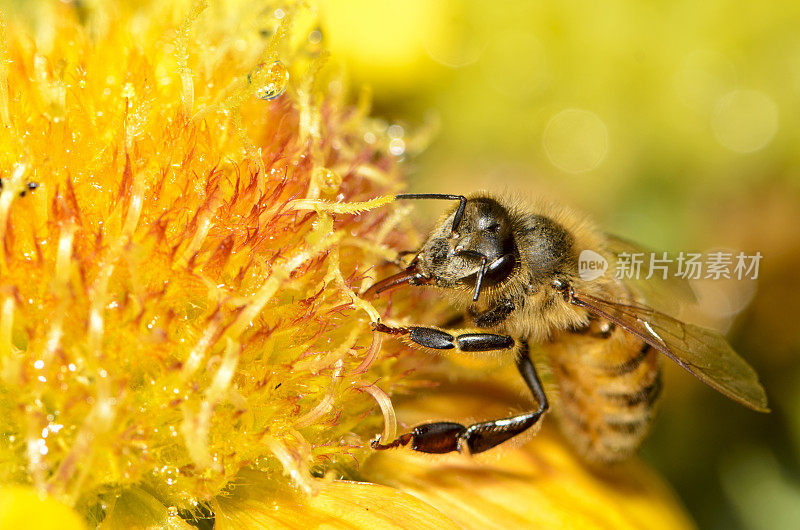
135 508
339 504
23 507
542 483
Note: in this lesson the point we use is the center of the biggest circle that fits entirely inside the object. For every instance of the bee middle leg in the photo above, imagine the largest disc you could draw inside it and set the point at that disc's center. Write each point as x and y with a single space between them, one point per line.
444 437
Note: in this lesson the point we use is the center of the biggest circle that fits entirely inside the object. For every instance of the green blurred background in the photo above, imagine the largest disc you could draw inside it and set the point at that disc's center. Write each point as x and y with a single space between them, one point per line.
672 123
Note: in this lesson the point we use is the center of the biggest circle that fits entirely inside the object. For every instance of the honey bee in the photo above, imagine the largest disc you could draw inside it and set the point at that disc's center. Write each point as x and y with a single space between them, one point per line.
515 270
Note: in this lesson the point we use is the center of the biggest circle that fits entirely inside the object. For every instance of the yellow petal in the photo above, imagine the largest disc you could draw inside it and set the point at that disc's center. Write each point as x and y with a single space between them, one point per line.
136 508
22 507
256 503
540 483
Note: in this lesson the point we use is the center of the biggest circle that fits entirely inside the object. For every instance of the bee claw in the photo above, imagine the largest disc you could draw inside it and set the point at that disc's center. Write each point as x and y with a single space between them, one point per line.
402 441
375 442
380 327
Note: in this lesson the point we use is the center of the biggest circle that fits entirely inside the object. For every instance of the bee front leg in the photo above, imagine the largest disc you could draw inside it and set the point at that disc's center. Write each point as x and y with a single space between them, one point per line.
485 319
444 437
439 339
494 316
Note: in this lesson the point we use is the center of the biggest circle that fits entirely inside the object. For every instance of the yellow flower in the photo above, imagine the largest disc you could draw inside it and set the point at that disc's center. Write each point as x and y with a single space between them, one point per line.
189 207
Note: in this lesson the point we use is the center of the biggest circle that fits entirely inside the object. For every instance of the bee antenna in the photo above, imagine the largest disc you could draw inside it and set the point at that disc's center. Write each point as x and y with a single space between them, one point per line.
459 212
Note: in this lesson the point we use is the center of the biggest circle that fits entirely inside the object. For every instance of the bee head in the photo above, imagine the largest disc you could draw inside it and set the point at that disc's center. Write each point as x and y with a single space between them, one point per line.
472 247
478 250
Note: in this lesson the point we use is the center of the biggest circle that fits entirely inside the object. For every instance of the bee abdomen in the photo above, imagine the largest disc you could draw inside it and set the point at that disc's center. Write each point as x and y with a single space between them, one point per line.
647 395
608 388
631 364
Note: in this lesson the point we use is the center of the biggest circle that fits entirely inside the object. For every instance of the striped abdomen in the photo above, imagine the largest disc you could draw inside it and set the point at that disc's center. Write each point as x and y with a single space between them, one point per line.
608 382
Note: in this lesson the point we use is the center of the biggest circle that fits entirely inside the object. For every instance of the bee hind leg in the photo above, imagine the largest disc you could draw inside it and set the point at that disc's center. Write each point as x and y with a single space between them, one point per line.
444 437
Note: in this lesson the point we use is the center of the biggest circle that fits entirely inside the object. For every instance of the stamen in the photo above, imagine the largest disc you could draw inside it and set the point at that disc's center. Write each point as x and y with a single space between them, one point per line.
389 416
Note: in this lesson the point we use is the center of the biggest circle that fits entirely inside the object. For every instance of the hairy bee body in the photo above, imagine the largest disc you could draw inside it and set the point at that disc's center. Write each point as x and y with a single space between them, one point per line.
608 380
608 388
515 273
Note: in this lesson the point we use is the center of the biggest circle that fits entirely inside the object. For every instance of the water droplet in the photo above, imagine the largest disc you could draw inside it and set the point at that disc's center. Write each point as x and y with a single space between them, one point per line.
327 180
270 79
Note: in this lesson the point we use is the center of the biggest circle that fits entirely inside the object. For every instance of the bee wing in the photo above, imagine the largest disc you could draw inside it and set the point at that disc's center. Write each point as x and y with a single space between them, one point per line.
665 294
702 352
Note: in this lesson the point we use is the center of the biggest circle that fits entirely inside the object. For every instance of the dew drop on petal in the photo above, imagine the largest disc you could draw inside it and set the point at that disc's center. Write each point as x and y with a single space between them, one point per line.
328 181
271 80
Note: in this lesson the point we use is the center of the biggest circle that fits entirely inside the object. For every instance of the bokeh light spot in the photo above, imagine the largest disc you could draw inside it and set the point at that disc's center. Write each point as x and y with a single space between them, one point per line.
576 140
515 65
459 42
703 77
745 120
